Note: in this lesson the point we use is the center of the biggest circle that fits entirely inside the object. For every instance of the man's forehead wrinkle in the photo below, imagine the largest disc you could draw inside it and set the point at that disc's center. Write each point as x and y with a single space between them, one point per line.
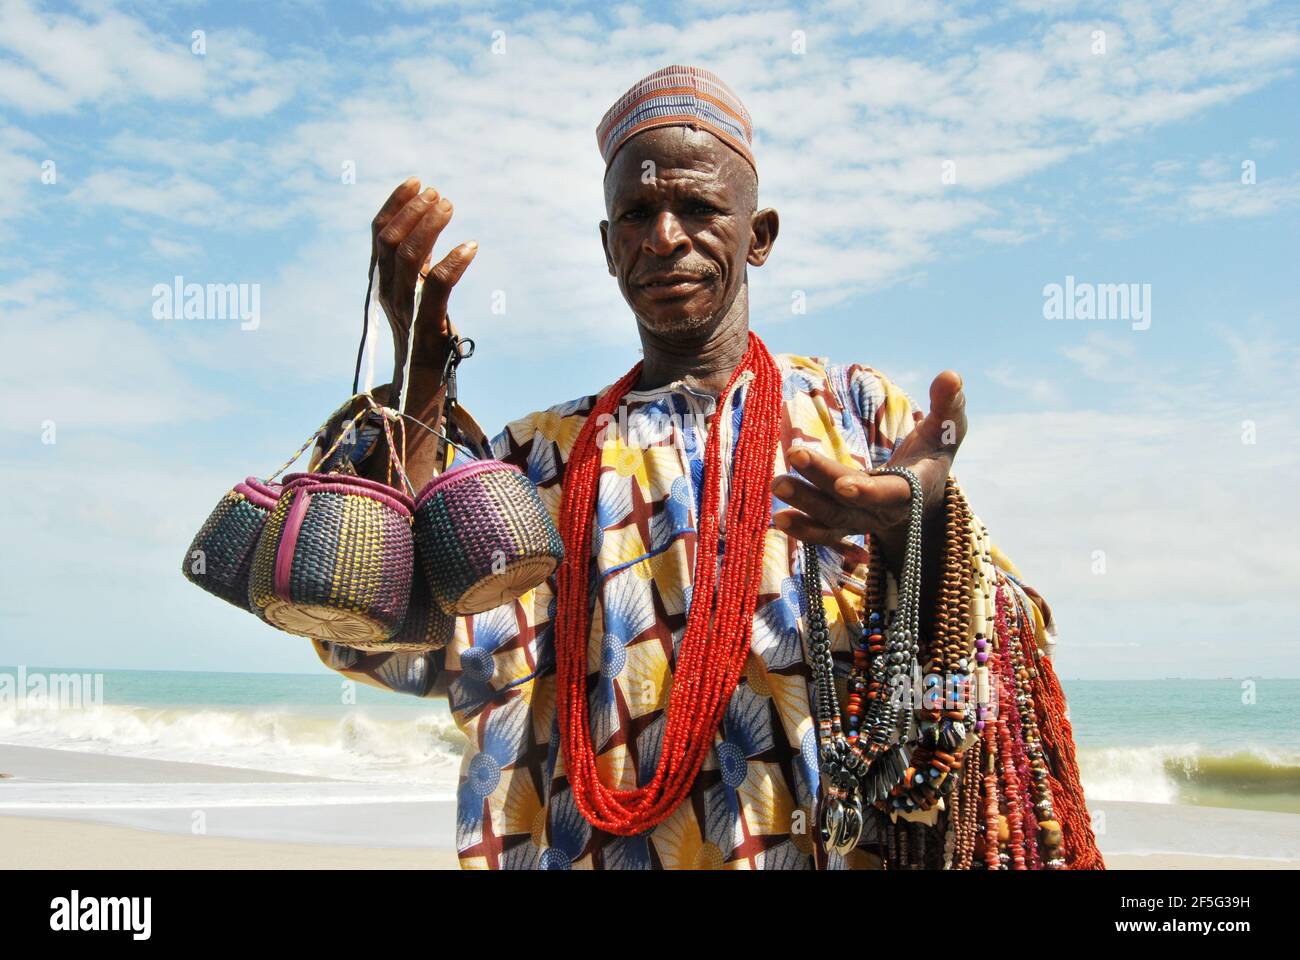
707 174
679 159
671 182
702 174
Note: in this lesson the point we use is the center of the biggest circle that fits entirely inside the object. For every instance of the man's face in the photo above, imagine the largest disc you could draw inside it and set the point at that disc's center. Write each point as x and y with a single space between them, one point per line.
681 228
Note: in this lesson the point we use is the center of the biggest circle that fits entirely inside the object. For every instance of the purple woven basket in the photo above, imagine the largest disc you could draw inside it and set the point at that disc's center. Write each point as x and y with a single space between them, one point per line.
335 560
220 558
484 536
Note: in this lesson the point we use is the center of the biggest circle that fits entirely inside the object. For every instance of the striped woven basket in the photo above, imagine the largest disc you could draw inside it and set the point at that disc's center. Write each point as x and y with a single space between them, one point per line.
335 560
220 558
426 626
484 536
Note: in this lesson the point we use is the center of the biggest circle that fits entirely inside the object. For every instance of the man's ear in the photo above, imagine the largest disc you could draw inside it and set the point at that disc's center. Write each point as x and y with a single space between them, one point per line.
764 226
604 243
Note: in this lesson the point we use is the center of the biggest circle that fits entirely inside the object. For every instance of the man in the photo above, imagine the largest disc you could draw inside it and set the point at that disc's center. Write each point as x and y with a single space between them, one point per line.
568 768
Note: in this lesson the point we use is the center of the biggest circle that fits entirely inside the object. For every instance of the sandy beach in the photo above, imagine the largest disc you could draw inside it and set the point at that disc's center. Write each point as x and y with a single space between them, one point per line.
66 809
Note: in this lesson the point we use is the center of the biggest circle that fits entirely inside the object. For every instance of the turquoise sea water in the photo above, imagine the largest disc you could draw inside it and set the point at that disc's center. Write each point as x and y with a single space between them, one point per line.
1226 743
1213 742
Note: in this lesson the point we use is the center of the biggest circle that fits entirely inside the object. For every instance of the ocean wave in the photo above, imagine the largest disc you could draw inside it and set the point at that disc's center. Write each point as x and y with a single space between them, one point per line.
1252 778
424 749
420 748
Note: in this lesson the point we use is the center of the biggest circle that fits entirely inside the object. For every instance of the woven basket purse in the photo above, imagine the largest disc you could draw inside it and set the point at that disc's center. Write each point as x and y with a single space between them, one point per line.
220 558
484 536
425 626
336 556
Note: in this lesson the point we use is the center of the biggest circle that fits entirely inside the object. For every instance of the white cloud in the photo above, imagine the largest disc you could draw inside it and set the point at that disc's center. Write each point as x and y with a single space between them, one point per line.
72 60
1187 515
1231 198
61 62
1104 356
85 368
851 147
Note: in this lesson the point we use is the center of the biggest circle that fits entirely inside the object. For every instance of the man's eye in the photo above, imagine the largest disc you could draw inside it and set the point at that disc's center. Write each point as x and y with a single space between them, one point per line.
704 210
634 214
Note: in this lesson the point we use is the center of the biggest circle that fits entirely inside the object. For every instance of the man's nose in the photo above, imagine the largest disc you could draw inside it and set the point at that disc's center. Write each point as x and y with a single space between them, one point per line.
666 237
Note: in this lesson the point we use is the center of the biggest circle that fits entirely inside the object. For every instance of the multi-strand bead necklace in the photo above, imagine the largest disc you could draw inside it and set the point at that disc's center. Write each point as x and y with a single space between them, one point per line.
946 716
719 623
862 765
971 747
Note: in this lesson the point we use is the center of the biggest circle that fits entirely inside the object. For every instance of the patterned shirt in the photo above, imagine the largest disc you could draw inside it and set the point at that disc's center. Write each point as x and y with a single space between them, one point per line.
751 806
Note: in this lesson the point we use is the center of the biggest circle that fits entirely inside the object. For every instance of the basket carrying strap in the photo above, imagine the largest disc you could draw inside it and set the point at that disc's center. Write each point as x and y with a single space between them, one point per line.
451 419
464 423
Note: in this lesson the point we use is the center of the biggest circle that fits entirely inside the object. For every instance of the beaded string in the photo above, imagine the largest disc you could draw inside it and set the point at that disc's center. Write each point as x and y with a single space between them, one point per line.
992 820
841 813
864 766
947 711
718 628
1078 842
1014 816
862 686
1031 773
1024 659
886 752
947 716
968 812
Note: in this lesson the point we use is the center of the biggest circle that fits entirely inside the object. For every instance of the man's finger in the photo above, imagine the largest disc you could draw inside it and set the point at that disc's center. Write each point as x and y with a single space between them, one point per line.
419 242
407 189
873 493
803 528
849 485
820 470
821 506
437 289
414 250
404 221
944 427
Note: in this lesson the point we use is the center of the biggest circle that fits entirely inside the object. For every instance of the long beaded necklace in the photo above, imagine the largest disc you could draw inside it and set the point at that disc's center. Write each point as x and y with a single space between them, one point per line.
947 711
863 769
874 754
1040 811
718 626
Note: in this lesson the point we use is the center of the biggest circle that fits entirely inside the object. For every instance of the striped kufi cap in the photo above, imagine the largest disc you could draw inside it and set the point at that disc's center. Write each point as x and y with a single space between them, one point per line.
677 96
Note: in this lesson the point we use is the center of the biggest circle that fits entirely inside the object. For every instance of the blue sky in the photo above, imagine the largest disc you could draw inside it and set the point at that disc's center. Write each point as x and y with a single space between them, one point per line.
1089 438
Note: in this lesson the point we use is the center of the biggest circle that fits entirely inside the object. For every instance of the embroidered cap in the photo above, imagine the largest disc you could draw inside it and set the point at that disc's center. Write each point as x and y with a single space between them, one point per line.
677 96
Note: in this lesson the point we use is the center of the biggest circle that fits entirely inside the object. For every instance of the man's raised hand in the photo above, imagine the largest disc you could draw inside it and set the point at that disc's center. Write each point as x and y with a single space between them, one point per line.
404 233
830 501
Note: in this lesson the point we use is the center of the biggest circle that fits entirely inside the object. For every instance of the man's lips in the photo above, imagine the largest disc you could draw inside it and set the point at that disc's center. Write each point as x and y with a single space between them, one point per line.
666 286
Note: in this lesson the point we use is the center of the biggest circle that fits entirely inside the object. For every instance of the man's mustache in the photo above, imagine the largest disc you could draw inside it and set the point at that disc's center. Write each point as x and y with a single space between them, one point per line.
699 273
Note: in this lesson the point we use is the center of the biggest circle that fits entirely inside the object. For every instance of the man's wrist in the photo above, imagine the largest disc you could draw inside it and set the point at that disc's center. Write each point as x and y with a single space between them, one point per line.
893 550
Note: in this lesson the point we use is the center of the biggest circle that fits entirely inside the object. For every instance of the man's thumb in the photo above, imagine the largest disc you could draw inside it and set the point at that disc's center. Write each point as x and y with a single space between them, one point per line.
947 417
